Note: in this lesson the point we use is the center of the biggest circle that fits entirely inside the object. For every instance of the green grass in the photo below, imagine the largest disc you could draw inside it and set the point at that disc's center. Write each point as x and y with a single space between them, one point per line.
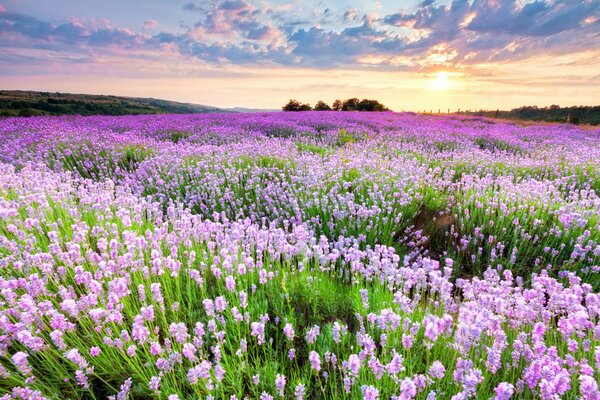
312 148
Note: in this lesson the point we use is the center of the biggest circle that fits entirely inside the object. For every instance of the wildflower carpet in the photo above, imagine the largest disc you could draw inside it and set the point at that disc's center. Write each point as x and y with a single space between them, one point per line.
298 255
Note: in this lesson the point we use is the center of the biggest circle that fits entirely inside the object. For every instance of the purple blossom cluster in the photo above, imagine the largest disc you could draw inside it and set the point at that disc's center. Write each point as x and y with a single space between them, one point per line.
321 255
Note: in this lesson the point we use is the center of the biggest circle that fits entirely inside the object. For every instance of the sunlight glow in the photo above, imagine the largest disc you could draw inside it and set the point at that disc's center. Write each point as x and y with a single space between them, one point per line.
441 80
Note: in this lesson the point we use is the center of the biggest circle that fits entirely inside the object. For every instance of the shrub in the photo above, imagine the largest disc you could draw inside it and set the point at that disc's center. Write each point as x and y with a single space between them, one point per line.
295 105
322 106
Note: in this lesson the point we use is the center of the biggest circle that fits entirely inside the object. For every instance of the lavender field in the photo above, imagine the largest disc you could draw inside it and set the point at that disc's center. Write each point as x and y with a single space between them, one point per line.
315 255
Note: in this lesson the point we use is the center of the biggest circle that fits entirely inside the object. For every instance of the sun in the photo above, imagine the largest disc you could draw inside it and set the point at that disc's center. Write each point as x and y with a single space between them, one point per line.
441 80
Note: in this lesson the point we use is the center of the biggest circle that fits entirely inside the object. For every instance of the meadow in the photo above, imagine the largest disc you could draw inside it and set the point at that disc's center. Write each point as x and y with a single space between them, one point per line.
315 255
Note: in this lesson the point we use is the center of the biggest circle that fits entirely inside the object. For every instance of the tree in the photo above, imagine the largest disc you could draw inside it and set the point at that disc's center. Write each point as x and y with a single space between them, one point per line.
295 105
353 104
350 104
322 106
371 105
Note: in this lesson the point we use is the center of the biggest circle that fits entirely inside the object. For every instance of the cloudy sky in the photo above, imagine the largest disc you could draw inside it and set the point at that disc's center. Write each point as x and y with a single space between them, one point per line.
410 55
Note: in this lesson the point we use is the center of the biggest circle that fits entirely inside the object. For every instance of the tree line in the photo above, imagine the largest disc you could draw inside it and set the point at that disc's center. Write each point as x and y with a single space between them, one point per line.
589 115
353 104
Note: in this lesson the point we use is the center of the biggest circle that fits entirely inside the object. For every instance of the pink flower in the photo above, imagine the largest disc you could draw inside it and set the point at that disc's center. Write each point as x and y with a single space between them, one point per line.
124 390
154 383
147 313
201 371
353 364
94 351
131 350
280 384
20 361
504 391
179 332
219 372
189 351
313 333
299 391
315 360
437 370
408 389
288 330
230 283
370 393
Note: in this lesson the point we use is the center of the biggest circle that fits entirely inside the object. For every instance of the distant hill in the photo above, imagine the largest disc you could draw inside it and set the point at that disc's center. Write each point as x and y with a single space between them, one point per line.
29 103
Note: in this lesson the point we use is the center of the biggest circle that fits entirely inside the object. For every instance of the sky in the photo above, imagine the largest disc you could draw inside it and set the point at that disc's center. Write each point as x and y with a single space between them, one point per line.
410 55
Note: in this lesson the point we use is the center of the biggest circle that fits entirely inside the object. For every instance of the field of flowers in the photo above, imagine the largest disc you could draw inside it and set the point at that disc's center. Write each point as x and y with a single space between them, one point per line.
298 255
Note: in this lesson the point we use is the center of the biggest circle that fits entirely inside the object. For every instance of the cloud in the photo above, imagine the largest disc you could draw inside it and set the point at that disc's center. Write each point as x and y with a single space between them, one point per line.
538 18
25 25
498 29
458 34
327 48
533 19
350 15
192 7
150 24
64 35
232 21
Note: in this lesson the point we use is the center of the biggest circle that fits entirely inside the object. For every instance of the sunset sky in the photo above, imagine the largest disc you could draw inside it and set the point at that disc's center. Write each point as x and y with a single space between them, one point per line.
409 55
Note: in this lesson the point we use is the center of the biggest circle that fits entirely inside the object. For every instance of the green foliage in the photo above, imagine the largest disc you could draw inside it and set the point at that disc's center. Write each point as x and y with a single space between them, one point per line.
267 162
176 136
322 106
522 250
589 115
344 137
295 105
279 131
443 146
311 148
91 162
493 145
28 112
323 300
371 105
352 104
350 175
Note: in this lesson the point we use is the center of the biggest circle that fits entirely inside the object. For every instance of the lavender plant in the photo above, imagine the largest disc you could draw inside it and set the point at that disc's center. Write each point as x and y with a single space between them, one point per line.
321 255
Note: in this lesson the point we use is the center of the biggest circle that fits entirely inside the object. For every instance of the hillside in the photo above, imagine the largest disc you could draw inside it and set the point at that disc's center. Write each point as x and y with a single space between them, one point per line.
29 103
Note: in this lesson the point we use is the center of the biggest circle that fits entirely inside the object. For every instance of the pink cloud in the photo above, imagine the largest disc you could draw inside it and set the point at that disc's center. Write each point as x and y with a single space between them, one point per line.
150 24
